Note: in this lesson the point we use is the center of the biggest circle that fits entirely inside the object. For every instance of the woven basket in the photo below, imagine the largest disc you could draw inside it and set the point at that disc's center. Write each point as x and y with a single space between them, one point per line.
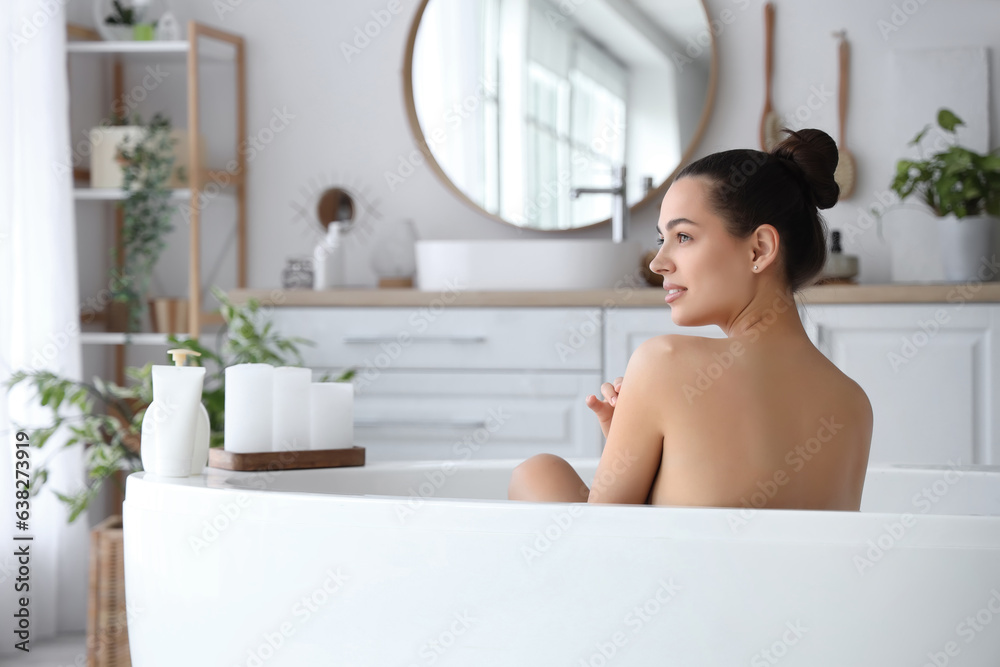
107 630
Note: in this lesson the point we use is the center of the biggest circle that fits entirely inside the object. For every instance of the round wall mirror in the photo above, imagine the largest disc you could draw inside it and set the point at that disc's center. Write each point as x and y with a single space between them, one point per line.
516 103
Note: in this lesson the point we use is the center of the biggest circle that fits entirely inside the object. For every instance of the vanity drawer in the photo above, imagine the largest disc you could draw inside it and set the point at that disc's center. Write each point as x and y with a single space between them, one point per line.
457 416
444 338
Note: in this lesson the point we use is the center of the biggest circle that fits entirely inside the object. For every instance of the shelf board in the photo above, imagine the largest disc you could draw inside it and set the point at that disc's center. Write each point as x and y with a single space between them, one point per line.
118 338
224 179
112 194
209 50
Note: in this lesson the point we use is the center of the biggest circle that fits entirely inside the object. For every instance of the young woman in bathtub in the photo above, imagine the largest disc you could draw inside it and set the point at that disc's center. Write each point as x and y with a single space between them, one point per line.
761 414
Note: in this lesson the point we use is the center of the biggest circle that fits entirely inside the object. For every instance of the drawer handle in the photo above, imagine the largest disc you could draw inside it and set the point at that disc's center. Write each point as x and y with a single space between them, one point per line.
367 340
447 423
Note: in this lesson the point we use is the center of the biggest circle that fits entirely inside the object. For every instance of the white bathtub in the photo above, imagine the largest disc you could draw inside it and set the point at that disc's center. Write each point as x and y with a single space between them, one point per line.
342 567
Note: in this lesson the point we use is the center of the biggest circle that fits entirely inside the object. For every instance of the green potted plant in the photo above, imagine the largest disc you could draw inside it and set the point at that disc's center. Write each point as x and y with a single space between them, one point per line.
962 188
107 418
125 21
142 161
147 165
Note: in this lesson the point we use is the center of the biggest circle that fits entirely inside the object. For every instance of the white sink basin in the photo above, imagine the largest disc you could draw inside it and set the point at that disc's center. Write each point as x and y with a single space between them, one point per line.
571 264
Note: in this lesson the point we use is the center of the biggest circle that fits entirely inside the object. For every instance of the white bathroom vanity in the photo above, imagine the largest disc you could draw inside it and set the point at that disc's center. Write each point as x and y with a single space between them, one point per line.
460 374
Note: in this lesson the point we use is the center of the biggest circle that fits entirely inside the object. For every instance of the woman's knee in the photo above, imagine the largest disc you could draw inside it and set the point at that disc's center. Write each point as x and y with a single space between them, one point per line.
539 463
537 475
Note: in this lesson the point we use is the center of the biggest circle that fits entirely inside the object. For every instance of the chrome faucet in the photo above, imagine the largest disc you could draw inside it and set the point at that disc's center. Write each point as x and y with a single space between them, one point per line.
619 216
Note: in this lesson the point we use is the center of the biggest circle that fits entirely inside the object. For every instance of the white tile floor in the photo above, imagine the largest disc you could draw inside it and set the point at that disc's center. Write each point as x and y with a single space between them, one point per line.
68 650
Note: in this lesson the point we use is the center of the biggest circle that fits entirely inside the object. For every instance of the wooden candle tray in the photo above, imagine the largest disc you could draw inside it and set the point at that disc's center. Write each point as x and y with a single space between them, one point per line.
287 459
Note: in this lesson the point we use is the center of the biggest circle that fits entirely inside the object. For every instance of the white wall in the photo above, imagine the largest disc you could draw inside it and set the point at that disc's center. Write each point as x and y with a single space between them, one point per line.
350 127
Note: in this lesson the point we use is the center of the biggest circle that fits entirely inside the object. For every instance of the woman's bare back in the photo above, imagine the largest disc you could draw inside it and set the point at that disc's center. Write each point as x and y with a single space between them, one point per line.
762 424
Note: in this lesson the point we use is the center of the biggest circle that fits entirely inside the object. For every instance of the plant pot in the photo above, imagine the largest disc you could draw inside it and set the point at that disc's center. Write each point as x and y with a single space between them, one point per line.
143 32
116 33
105 161
169 315
966 244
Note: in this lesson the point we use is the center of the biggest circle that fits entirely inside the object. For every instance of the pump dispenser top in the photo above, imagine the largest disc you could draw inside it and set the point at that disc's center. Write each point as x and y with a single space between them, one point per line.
180 355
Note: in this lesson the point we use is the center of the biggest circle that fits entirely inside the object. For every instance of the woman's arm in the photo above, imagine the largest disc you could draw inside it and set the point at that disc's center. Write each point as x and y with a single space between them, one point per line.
634 446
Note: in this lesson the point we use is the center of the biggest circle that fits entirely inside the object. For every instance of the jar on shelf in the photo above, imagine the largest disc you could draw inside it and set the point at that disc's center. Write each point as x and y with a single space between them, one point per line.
298 273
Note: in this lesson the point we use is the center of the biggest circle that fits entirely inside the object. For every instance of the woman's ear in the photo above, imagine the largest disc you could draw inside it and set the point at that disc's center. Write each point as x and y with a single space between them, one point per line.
766 244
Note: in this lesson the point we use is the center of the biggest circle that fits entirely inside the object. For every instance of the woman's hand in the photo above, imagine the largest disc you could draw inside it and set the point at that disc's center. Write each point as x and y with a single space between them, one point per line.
605 409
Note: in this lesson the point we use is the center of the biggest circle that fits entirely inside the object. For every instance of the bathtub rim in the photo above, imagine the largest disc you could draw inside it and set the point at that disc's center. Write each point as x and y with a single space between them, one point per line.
195 498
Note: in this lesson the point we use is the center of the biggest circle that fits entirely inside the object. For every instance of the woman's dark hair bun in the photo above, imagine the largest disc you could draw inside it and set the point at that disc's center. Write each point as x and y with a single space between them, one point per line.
815 154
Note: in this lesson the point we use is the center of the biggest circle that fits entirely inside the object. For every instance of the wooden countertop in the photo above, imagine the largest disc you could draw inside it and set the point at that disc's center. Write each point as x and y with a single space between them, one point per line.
623 297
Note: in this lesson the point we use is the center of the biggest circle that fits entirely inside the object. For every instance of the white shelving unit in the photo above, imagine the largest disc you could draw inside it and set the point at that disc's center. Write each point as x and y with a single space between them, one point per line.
204 44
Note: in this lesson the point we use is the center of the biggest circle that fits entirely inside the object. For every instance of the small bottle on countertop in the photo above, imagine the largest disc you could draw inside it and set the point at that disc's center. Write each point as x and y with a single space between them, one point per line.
839 267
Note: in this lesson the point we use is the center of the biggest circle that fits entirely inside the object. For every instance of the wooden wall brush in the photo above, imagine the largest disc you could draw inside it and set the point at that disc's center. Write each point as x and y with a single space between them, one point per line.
846 173
770 123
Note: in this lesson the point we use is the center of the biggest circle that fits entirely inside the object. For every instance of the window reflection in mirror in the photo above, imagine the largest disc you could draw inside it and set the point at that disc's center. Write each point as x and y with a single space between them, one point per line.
519 101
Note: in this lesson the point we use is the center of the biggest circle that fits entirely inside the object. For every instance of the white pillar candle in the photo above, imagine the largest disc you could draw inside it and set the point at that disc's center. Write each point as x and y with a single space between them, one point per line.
249 407
290 430
331 406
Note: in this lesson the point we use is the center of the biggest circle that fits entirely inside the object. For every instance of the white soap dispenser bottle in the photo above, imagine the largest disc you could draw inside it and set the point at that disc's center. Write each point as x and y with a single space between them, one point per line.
328 259
175 431
170 424
202 432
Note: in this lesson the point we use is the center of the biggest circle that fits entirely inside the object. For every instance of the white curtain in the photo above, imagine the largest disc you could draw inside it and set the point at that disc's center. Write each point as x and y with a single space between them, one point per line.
39 316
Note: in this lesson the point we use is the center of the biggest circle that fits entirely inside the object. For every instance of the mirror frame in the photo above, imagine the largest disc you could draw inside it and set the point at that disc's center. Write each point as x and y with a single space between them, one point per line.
656 192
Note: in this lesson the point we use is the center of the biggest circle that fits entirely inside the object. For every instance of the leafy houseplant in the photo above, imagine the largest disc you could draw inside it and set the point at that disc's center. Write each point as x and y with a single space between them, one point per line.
962 188
146 170
954 181
108 417
127 17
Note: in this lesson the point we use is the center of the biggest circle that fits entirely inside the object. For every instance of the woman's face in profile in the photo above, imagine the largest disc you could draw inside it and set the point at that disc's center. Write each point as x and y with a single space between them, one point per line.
698 254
